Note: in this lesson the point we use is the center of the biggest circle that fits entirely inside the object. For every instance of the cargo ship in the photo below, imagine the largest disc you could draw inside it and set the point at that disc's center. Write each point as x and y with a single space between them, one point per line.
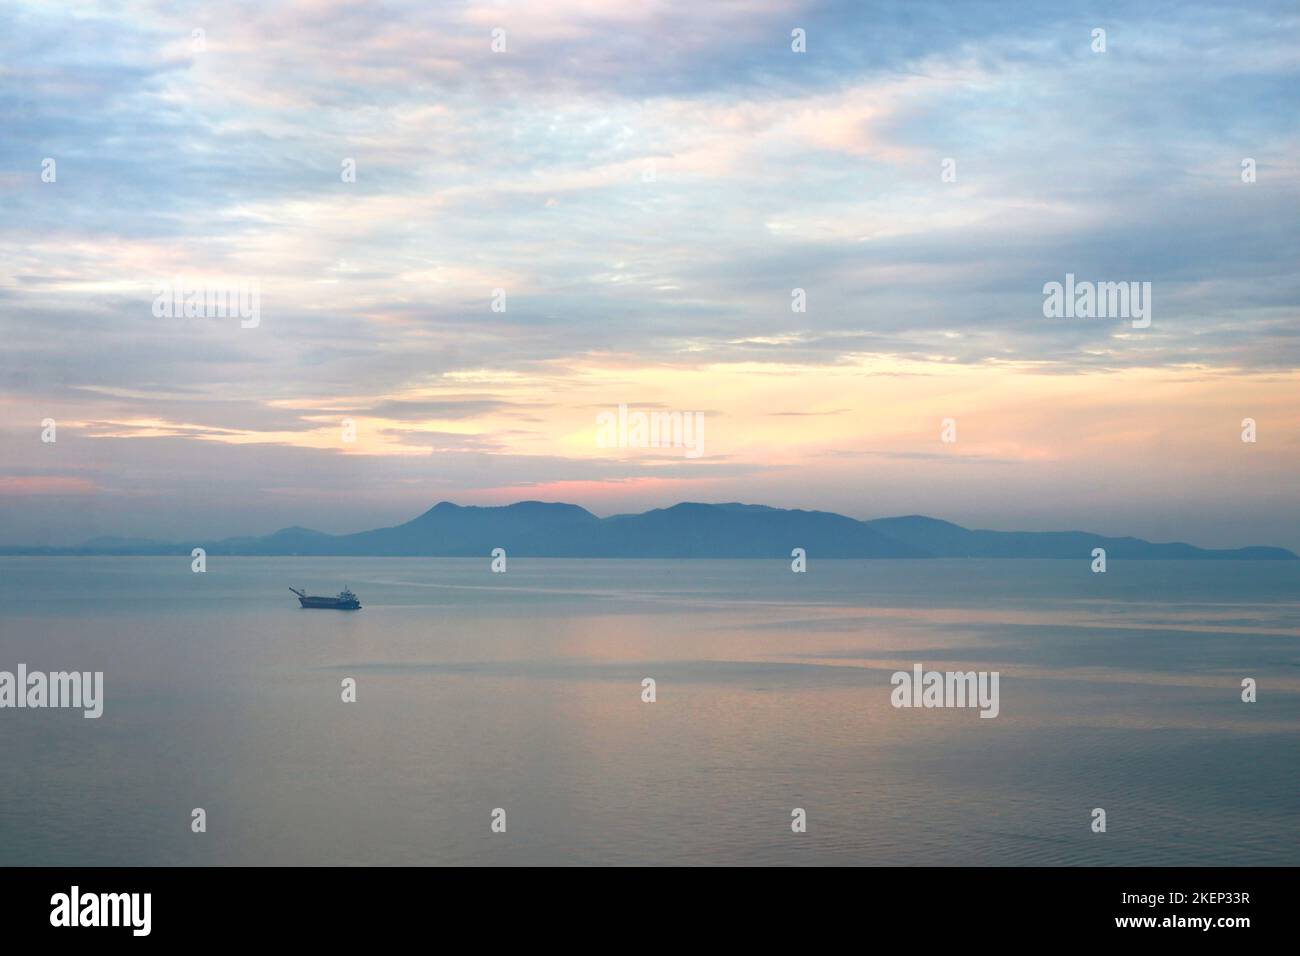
346 601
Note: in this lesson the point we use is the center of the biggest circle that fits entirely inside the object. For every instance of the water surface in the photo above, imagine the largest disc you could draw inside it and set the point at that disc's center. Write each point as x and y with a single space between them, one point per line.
523 691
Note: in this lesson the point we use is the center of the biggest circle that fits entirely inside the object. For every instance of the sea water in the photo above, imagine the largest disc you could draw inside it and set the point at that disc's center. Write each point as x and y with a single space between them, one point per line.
523 692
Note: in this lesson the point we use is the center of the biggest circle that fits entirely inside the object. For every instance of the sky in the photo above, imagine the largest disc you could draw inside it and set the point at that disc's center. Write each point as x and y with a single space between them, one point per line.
562 207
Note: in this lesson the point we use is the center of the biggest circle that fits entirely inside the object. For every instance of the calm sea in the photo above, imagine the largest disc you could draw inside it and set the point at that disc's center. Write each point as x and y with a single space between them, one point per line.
522 691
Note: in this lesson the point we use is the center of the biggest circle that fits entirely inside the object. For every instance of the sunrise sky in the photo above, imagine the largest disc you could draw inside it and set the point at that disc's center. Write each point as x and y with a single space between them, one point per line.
648 182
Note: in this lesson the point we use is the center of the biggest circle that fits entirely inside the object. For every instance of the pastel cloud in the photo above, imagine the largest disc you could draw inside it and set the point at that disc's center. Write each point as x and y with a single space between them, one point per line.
648 183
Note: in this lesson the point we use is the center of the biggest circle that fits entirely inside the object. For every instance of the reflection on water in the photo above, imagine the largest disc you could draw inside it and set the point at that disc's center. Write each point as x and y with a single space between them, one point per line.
523 691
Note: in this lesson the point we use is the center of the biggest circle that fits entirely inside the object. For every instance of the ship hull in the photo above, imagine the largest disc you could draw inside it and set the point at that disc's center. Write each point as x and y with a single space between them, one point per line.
329 604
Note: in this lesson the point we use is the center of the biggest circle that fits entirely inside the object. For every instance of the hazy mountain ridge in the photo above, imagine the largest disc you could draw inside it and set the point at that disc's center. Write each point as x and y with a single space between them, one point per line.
686 530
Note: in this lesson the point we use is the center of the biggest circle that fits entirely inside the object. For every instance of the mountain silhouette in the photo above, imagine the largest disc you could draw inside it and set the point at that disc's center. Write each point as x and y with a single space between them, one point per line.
687 530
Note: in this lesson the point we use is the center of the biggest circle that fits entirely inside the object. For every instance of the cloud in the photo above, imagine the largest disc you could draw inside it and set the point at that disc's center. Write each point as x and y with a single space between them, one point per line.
646 183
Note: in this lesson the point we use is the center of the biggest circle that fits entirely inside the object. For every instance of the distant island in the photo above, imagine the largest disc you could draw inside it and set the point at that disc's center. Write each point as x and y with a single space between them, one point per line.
555 530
